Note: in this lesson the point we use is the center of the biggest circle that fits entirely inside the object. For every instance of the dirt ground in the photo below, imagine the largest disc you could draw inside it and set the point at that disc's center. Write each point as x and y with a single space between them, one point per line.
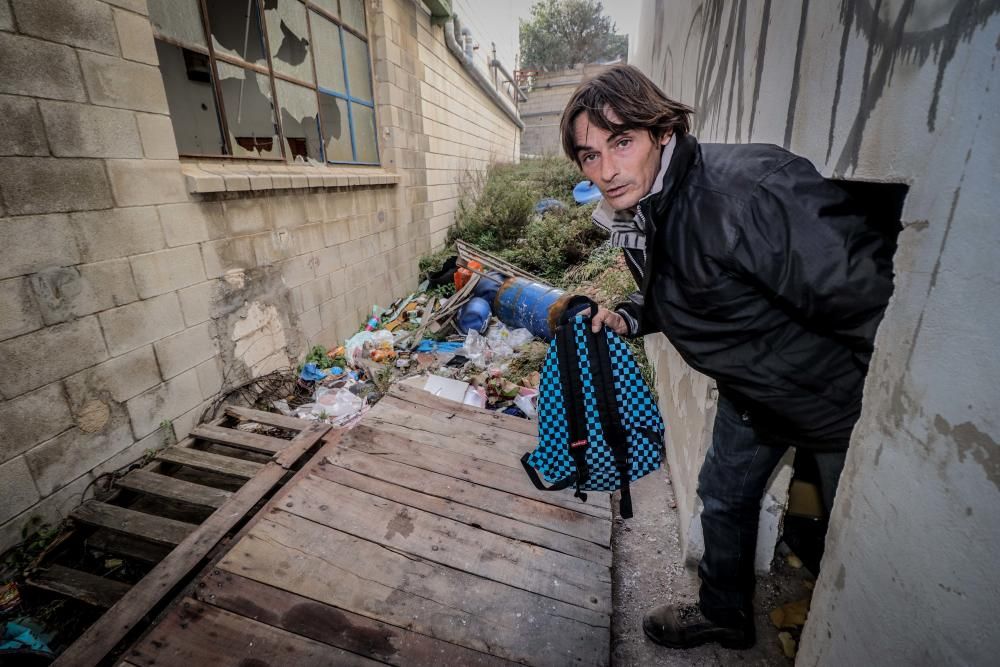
649 571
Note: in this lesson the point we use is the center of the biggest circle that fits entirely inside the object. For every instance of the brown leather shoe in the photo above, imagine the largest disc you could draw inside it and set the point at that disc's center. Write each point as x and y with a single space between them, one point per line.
685 626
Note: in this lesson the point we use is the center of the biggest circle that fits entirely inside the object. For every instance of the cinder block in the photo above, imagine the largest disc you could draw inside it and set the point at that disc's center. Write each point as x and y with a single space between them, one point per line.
36 359
50 185
18 312
82 130
119 378
114 82
166 401
32 418
185 423
309 238
167 270
66 457
119 232
272 247
298 270
34 243
337 232
226 254
315 205
188 223
199 180
68 292
312 294
141 182
310 323
332 312
135 35
197 301
210 377
247 216
6 23
185 350
35 68
21 132
142 322
157 134
19 491
83 23
338 282
329 260
288 211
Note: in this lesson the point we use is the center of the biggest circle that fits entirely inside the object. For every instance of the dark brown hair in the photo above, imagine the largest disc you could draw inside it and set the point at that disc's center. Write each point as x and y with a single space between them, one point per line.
632 97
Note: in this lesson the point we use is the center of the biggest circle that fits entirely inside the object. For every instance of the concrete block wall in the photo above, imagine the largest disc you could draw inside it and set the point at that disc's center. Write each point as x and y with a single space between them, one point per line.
131 293
550 91
893 92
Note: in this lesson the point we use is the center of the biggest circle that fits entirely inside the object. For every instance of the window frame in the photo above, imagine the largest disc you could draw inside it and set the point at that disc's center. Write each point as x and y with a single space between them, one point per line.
272 74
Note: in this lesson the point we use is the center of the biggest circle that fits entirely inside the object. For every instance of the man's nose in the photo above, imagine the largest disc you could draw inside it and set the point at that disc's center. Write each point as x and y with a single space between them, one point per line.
609 169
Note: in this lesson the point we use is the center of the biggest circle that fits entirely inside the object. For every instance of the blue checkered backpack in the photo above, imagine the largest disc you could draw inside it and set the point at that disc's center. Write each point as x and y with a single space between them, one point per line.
598 426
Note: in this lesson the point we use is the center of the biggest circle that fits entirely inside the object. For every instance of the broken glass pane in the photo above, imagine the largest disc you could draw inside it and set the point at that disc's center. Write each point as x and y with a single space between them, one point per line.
329 59
354 14
247 98
187 78
299 118
235 28
337 133
357 67
178 19
364 132
288 37
328 5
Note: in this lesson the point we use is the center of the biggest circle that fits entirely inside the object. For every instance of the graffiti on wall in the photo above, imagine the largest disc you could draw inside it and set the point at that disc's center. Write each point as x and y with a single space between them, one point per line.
726 39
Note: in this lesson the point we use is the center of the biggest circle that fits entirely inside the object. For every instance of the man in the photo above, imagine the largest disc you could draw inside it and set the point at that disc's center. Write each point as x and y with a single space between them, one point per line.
765 277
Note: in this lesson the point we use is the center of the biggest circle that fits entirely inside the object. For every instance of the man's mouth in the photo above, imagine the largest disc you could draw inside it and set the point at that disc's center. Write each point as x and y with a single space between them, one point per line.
616 191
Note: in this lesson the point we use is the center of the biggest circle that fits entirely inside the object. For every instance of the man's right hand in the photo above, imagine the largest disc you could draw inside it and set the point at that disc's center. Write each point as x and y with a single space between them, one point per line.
610 319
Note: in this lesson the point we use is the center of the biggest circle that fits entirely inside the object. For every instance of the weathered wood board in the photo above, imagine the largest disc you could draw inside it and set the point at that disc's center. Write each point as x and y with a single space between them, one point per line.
416 539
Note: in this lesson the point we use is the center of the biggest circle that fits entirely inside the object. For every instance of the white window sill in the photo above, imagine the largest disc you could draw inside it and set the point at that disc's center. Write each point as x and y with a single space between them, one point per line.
208 177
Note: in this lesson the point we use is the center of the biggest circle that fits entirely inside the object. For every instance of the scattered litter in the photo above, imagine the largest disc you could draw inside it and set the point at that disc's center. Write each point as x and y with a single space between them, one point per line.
10 597
788 646
453 390
793 561
791 615
18 637
586 192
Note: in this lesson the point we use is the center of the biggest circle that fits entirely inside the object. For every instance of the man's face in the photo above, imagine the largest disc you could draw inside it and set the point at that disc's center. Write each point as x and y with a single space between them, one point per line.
623 166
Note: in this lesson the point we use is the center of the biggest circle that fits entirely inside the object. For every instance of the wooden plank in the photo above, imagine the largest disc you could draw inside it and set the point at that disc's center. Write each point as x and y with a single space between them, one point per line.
453 544
337 627
269 418
217 463
487 417
326 565
472 436
100 639
162 486
419 496
139 524
194 633
83 586
119 544
471 469
254 442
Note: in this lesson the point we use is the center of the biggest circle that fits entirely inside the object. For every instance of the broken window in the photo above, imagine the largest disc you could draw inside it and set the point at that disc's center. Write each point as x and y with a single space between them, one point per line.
268 79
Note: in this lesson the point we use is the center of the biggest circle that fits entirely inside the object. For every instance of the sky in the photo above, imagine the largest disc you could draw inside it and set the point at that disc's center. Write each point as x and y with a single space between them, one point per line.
497 21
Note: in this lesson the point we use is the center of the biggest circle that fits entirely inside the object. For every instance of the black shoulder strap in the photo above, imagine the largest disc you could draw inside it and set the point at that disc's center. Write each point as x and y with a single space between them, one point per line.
576 413
607 407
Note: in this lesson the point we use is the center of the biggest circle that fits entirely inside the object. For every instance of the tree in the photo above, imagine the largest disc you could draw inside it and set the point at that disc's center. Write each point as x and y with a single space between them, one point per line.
562 33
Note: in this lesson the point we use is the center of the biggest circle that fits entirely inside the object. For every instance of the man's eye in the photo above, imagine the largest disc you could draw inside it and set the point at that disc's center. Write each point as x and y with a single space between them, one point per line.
589 158
624 143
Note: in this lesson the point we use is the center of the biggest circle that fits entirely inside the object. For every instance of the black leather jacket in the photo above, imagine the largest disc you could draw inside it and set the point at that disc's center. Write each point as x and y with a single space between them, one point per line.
769 279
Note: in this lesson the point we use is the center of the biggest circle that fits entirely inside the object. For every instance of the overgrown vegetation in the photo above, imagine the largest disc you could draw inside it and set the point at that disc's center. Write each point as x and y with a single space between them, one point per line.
562 246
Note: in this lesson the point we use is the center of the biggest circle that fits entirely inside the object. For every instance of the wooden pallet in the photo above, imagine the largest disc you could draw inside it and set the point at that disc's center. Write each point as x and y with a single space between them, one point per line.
170 514
416 539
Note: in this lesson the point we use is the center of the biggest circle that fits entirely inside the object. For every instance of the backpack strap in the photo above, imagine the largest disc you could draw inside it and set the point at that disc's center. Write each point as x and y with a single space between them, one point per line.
576 413
607 407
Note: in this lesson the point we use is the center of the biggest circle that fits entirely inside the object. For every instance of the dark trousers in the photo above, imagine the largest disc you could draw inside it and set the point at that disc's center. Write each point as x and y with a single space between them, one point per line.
731 483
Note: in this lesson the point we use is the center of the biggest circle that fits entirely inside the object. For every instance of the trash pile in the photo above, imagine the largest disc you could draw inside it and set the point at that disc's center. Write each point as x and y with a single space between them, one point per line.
482 346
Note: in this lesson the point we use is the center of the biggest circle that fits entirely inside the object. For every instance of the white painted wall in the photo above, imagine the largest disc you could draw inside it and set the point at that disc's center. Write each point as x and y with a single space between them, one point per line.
911 95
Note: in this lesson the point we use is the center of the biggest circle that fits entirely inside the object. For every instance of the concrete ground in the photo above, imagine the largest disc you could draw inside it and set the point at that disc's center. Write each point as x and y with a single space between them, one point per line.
649 571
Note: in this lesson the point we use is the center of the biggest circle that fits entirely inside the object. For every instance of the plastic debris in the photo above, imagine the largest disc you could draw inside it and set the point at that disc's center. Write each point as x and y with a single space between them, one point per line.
311 373
474 315
788 645
791 615
586 192
10 597
20 637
